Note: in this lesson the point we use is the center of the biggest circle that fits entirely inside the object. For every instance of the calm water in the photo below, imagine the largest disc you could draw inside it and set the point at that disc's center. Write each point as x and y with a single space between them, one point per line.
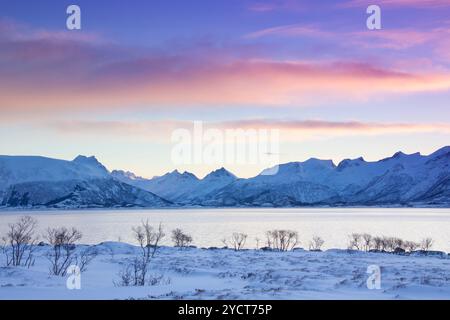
210 226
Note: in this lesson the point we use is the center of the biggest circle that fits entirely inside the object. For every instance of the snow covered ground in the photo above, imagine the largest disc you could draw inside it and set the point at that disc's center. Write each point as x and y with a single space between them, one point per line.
225 274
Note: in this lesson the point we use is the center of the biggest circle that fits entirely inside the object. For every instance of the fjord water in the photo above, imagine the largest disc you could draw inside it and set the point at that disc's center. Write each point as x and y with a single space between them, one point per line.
209 226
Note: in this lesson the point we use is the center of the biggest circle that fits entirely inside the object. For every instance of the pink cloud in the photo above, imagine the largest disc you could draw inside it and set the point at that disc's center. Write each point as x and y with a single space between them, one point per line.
293 129
386 38
58 75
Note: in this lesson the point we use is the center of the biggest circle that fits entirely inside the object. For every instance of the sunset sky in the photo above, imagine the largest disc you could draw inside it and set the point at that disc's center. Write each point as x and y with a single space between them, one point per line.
139 69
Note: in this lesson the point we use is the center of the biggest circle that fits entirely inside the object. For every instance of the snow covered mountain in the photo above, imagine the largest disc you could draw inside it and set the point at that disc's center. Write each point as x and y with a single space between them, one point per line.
81 183
183 188
399 180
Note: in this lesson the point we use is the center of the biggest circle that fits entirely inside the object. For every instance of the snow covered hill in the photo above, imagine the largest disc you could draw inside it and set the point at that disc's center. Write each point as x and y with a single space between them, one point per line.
82 183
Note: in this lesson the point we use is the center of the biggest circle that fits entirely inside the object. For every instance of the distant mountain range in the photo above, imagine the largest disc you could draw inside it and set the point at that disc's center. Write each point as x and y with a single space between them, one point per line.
400 180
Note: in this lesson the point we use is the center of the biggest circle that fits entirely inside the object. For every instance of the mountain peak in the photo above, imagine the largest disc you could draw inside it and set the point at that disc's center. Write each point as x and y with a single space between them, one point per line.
126 174
90 161
222 172
346 163
178 174
399 154
86 160
319 162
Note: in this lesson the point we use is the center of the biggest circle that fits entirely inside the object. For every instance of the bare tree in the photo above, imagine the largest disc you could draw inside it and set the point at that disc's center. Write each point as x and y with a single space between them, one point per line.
225 242
85 257
282 240
316 243
257 240
19 243
356 241
367 241
426 244
180 238
238 240
377 243
63 252
135 272
399 244
411 246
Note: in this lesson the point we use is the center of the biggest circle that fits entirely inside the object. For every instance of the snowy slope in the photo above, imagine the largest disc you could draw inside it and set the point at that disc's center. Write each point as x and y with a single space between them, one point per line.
82 183
20 169
198 274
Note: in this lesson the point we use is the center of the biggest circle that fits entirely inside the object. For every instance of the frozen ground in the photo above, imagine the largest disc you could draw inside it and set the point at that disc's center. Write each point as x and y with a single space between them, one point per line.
225 274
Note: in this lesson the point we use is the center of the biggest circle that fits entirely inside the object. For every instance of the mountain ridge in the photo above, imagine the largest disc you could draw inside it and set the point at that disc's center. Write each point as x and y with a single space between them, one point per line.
400 180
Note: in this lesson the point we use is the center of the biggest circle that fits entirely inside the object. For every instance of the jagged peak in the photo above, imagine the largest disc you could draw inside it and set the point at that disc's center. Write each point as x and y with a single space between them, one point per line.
177 173
89 161
350 163
400 154
127 174
85 159
222 172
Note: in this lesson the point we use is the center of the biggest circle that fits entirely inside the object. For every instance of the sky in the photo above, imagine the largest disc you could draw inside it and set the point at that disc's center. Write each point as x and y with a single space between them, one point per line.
138 71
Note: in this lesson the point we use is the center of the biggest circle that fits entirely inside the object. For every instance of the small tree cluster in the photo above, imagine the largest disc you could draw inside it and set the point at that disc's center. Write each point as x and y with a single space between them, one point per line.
282 240
316 243
135 273
368 242
237 241
181 239
19 243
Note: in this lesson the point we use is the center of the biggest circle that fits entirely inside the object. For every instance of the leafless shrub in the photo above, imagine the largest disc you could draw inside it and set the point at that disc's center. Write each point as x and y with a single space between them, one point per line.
180 238
135 272
19 243
63 251
399 243
316 243
392 244
410 246
238 240
257 240
367 241
85 257
282 240
356 241
377 243
426 244
225 242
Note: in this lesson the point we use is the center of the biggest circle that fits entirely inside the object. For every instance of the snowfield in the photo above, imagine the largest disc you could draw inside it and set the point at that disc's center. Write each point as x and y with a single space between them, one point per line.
193 273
